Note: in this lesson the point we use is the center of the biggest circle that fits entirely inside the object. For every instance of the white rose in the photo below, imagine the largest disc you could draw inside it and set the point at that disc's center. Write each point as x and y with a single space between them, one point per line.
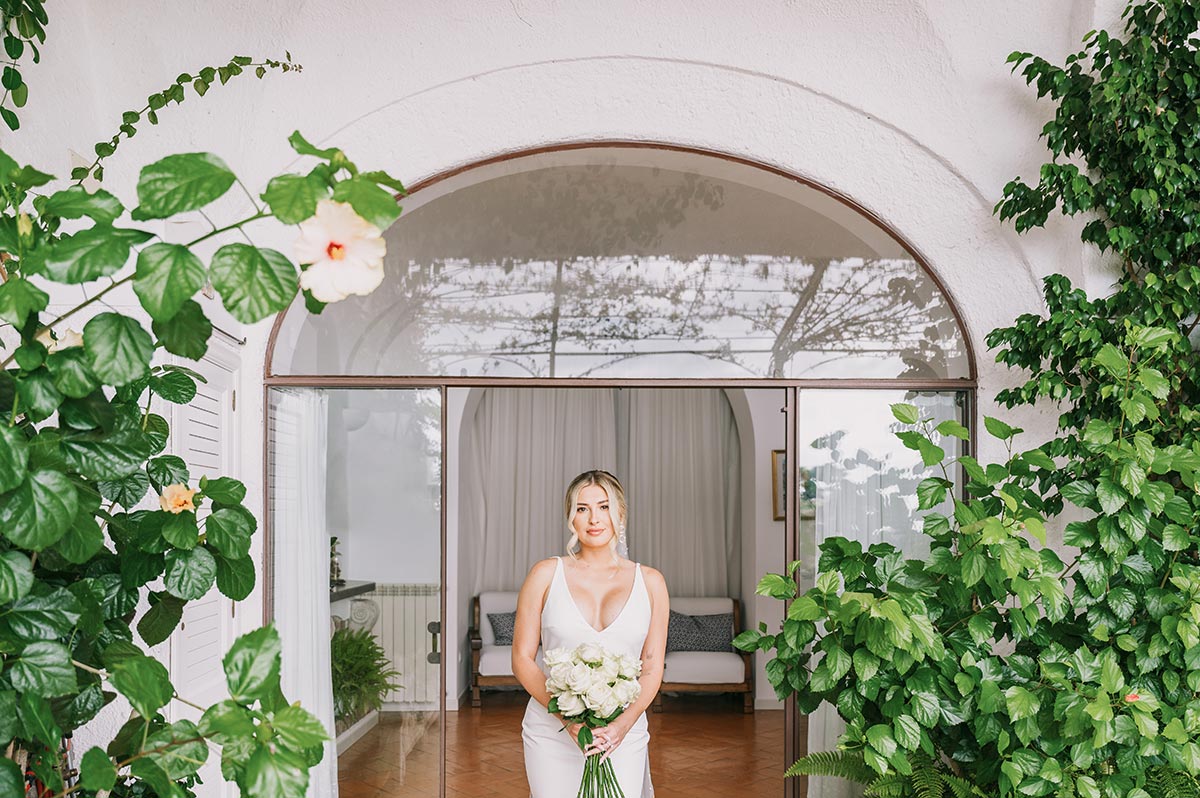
608 708
599 696
580 678
610 669
626 691
630 667
570 705
590 652
557 656
560 671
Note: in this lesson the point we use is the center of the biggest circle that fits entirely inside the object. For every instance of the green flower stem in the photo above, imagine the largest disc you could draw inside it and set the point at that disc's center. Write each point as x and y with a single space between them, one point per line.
89 669
259 215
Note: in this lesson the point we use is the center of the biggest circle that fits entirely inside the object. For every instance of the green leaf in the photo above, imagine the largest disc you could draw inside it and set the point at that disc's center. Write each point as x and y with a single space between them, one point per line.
44 669
252 665
954 429
272 775
118 348
12 778
931 453
38 512
293 198
37 393
906 413
224 490
1175 538
109 456
91 253
14 458
180 530
96 771
235 578
126 491
931 492
1021 703
34 713
1079 493
147 770
229 529
880 738
175 387
16 578
369 201
1112 498
776 586
999 429
1154 383
19 298
168 470
190 574
76 202
974 566
926 708
298 728
1112 360
144 681
302 147
187 332
907 732
82 541
157 624
180 183
167 276
71 373
184 753
225 721
253 282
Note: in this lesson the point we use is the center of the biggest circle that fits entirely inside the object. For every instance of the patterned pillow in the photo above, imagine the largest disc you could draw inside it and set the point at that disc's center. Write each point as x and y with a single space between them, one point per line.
502 626
700 632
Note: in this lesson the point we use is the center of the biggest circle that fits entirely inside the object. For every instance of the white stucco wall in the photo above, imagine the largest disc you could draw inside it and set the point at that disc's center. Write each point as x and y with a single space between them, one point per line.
906 107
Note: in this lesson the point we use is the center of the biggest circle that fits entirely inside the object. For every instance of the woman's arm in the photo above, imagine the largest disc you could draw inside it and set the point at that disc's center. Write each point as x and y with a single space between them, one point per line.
527 633
654 650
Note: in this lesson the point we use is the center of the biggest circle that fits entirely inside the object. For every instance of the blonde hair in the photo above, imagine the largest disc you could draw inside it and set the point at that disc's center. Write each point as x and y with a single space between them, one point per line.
616 495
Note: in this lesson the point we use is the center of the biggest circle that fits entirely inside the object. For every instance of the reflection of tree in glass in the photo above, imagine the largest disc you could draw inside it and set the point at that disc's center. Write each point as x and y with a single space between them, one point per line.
593 266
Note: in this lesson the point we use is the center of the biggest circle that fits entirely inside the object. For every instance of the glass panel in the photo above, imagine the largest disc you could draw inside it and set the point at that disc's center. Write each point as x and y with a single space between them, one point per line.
855 479
362 469
634 263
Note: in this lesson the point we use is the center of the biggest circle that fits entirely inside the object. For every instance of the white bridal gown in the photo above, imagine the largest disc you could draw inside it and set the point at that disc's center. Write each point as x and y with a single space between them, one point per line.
553 761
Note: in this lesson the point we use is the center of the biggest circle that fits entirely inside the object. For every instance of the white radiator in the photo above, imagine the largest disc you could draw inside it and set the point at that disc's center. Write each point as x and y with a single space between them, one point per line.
405 612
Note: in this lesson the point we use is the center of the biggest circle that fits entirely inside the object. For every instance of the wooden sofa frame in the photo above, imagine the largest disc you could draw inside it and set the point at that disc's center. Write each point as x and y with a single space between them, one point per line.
745 687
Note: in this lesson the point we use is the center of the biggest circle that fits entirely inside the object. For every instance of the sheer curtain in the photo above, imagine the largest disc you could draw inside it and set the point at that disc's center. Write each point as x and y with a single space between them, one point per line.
676 452
521 449
865 485
301 560
680 458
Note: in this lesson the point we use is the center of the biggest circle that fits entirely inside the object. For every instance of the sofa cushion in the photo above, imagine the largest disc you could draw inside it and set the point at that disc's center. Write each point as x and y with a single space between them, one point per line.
492 602
502 624
497 660
704 667
699 605
700 632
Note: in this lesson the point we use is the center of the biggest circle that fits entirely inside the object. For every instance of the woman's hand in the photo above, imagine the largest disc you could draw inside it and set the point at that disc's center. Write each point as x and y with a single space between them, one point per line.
606 738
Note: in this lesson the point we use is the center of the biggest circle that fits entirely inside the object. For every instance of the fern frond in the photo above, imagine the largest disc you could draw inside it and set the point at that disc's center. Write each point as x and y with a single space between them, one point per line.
1164 782
847 765
893 785
928 781
961 788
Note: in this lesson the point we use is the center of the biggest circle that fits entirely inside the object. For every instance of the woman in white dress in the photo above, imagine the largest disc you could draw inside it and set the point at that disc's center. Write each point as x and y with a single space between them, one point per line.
593 595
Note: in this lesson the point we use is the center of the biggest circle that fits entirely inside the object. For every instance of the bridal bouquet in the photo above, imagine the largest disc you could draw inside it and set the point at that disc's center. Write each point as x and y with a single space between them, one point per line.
592 686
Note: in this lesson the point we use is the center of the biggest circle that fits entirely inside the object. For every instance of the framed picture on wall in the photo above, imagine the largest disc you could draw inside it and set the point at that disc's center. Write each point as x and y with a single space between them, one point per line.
778 484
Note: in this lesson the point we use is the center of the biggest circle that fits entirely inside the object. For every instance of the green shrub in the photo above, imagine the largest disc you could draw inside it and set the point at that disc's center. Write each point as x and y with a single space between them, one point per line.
362 674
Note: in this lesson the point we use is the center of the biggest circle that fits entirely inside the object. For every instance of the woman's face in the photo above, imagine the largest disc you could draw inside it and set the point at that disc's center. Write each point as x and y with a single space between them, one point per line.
592 520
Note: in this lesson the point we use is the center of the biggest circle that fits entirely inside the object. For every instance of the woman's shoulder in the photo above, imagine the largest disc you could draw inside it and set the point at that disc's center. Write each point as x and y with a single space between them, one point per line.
544 568
653 576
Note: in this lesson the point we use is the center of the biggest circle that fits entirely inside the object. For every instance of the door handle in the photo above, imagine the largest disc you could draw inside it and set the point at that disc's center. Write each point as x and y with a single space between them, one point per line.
435 628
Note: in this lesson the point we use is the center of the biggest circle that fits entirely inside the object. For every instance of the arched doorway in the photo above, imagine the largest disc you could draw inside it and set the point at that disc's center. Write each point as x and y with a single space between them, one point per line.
613 265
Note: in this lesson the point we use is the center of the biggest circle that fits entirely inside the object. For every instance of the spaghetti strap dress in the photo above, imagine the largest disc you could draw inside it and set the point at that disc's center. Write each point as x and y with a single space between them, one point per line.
553 761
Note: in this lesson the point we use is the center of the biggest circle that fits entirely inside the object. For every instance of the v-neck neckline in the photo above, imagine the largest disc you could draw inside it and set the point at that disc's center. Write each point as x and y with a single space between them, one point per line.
571 598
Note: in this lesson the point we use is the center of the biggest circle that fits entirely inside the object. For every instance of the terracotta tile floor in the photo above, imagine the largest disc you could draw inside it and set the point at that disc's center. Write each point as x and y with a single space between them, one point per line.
700 746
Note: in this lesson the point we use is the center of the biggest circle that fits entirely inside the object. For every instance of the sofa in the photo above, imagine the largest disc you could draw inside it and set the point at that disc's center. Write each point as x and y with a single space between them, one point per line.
683 672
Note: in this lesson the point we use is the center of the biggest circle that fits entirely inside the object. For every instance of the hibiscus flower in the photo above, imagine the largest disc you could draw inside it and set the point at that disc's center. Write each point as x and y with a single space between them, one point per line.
344 252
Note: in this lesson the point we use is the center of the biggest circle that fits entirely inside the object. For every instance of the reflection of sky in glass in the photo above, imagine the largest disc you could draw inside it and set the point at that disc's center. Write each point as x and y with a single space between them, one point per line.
632 272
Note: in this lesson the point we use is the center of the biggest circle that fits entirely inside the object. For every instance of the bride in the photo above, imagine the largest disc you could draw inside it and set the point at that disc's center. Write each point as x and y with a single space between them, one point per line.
594 595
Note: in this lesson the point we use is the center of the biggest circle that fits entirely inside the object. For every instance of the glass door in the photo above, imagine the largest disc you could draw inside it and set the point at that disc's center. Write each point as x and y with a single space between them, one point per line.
355 487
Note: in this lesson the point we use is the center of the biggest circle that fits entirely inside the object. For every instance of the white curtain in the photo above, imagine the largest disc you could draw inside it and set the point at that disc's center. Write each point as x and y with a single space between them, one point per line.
676 452
301 563
681 464
865 483
522 448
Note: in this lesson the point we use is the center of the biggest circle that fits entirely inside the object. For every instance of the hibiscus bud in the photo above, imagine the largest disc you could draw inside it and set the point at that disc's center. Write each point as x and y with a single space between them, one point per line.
24 227
177 498
1132 697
